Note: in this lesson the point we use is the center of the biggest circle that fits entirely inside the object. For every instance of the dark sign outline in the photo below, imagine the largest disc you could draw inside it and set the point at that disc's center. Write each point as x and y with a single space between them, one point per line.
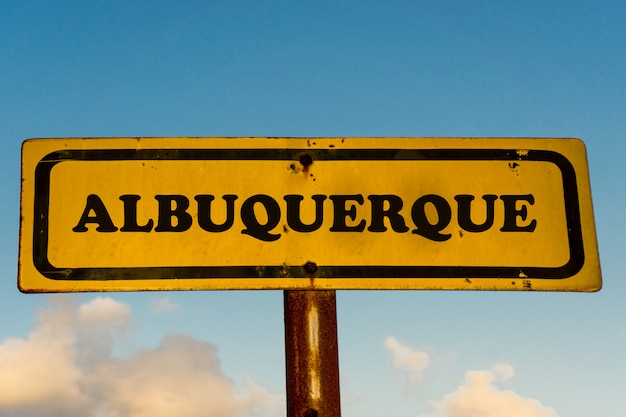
42 195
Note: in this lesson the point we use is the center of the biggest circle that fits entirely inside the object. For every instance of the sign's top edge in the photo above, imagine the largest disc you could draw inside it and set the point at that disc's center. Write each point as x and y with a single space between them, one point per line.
38 147
90 138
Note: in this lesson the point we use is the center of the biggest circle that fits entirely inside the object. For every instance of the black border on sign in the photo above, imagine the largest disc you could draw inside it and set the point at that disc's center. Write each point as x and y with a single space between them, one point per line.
42 195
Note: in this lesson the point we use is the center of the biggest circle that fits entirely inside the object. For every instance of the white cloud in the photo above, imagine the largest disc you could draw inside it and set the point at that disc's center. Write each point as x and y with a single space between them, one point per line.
65 368
502 372
479 396
104 310
408 360
163 305
180 377
42 368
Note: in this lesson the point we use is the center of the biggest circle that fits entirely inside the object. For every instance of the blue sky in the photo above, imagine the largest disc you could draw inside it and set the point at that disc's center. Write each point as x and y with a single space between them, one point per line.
367 68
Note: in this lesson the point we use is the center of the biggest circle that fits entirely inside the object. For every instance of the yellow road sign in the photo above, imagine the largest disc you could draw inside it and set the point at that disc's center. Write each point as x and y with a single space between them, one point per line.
123 214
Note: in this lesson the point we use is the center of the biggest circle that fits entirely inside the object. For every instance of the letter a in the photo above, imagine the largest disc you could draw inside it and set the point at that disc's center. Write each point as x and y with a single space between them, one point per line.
101 216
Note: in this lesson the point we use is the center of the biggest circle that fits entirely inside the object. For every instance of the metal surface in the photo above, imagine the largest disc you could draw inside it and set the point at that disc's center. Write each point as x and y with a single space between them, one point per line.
311 352
125 214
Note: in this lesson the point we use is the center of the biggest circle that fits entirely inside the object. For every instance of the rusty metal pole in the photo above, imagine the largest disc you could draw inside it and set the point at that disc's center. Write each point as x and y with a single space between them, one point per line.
311 352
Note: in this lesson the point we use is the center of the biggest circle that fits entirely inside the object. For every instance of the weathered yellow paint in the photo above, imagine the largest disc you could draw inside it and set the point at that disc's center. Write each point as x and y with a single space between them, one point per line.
58 175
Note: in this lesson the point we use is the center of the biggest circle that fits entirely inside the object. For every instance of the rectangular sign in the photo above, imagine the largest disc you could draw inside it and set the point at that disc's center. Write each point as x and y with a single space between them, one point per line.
124 214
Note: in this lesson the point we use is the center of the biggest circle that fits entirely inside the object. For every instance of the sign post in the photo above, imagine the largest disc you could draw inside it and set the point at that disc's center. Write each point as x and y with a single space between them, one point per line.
311 354
308 216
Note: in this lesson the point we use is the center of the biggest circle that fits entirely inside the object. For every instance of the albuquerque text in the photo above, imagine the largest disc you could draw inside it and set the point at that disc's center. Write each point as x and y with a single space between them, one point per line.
430 214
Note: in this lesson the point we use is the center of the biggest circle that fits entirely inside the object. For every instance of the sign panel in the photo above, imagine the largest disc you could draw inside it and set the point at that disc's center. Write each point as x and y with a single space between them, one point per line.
306 213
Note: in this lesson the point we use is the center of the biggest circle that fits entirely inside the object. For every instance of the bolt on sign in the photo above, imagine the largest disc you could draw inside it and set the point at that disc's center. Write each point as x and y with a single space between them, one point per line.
123 214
